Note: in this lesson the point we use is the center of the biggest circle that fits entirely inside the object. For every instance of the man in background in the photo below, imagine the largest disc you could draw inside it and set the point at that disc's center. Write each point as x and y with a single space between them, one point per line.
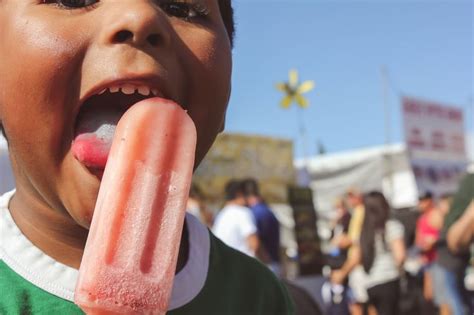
459 231
234 224
428 228
268 227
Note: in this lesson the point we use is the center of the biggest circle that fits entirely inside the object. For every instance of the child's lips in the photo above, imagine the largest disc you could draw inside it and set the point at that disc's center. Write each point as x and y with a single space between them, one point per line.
150 84
99 115
97 119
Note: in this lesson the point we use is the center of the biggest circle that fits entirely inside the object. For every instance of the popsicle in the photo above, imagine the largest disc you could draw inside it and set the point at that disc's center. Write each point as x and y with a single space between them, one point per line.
131 252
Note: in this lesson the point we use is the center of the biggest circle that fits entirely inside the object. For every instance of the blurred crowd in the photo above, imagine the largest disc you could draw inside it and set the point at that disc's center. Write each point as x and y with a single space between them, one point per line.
378 261
245 222
417 262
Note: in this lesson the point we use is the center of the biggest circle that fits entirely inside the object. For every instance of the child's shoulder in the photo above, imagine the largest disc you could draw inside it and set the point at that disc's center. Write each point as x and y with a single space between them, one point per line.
21 297
225 259
232 283
238 284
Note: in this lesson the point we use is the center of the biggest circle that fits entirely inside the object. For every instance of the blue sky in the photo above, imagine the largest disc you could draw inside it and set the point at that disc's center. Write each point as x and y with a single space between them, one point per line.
427 47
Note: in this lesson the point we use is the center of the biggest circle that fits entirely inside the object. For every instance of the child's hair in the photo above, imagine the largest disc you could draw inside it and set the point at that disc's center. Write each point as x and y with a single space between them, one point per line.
227 13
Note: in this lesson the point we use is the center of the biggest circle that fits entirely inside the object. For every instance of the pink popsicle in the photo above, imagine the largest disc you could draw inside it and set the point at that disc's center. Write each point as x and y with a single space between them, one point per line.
130 256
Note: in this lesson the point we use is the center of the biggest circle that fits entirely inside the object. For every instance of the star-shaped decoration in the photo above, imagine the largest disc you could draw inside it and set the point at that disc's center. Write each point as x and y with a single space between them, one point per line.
294 91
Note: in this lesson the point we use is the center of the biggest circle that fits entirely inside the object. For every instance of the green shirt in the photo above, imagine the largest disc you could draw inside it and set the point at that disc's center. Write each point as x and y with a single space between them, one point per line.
461 201
235 284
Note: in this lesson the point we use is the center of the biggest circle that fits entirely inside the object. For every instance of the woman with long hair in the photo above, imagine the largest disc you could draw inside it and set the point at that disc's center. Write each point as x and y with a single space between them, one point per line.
381 252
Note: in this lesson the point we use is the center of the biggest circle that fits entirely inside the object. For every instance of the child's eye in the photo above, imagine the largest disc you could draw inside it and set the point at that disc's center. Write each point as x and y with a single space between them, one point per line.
184 10
72 4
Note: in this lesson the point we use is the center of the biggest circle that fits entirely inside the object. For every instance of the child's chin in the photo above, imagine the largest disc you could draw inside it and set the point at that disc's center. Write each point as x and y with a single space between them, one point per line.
85 218
81 203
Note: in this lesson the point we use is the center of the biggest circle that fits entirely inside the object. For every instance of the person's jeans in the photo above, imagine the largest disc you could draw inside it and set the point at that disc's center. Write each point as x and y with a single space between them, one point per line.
455 292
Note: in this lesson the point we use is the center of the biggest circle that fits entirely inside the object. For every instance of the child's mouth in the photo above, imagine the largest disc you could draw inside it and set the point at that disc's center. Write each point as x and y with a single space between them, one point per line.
97 120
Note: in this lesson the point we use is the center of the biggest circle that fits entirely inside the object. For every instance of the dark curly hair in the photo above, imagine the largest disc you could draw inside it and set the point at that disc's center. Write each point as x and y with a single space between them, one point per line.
227 13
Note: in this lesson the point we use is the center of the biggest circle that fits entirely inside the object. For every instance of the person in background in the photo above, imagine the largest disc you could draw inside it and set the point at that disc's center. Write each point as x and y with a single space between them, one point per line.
345 241
381 251
460 222
428 229
357 276
445 265
340 241
459 232
196 205
268 227
234 224
342 220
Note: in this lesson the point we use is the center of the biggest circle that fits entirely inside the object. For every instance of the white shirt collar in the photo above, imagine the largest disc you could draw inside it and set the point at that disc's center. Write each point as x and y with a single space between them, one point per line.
41 270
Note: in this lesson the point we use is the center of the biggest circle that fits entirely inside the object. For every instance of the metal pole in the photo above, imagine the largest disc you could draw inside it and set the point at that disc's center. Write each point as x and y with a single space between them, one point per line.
302 130
388 131
470 127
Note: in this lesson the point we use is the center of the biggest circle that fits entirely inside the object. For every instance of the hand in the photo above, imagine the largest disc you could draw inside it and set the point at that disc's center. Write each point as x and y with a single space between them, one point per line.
337 277
336 240
343 241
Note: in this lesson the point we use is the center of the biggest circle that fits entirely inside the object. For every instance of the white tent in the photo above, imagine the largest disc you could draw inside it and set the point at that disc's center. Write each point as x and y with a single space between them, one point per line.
385 168
6 176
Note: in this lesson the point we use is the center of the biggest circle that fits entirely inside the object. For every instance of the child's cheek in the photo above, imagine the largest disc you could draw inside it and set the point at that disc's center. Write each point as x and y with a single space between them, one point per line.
39 75
54 40
209 66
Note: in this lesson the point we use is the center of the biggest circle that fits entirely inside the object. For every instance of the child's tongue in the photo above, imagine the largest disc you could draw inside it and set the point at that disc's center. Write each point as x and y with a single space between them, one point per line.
93 136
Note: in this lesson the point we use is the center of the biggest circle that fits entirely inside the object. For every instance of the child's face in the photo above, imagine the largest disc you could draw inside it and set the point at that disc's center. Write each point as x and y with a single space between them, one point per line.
52 58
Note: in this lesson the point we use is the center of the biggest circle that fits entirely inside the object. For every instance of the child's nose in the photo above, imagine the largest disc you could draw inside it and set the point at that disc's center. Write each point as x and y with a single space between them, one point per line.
136 22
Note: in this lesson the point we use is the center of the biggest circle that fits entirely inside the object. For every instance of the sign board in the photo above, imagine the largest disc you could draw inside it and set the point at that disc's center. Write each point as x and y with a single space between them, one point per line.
309 247
434 135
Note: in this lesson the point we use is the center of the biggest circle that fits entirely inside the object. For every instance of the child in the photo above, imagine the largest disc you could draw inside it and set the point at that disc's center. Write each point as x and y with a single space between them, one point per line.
56 56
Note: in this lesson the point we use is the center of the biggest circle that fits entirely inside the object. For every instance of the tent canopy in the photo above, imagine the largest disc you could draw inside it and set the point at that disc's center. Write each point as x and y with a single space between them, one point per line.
385 168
